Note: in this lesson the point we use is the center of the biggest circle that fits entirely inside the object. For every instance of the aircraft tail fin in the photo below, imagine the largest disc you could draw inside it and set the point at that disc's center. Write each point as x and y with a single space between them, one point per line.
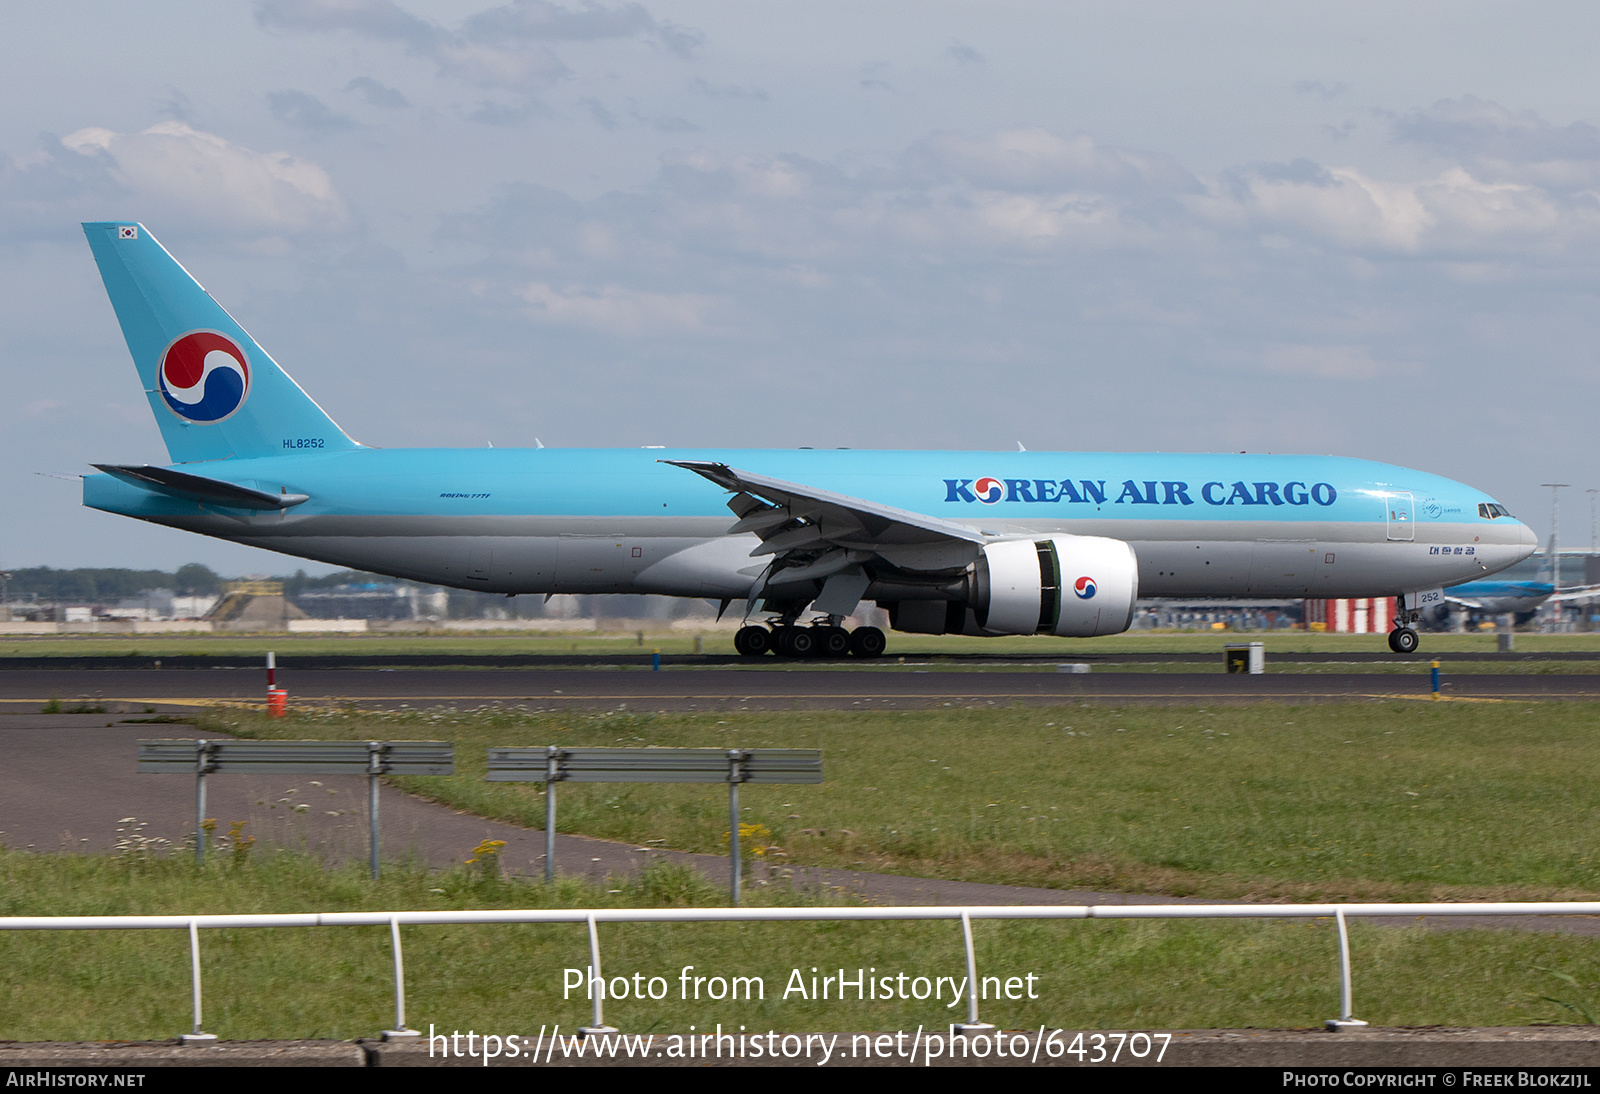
215 393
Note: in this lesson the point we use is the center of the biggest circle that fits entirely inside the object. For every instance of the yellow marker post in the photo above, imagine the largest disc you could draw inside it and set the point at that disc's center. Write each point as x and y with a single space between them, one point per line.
1436 680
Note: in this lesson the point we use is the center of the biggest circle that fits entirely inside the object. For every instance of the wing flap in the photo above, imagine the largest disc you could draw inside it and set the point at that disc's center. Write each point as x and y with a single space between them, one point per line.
817 536
844 520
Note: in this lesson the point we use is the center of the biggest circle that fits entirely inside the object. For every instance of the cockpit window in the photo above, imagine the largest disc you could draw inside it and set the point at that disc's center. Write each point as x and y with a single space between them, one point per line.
1489 510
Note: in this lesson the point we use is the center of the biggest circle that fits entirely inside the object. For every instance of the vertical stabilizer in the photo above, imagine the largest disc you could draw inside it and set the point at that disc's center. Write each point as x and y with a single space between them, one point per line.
215 392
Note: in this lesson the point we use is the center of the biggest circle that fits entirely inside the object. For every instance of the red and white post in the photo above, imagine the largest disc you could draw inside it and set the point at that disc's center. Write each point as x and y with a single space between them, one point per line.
277 698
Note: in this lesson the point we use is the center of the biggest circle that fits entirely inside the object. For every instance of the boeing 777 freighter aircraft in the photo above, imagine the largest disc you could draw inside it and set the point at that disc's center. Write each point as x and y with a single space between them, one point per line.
980 543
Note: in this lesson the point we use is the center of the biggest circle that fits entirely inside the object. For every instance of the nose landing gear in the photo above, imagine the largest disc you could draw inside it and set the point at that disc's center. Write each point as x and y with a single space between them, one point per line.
1403 640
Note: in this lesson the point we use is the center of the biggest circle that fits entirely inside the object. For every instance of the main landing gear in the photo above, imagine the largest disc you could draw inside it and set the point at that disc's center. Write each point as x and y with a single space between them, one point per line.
824 638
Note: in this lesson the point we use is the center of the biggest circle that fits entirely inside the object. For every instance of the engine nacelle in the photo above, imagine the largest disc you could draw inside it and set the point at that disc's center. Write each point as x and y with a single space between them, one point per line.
1071 586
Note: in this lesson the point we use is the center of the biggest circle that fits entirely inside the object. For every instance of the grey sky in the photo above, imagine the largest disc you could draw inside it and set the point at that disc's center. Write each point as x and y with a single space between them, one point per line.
1357 230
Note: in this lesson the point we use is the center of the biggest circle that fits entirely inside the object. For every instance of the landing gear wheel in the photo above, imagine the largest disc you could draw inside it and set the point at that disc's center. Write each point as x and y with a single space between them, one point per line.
832 641
796 642
1403 640
752 641
867 642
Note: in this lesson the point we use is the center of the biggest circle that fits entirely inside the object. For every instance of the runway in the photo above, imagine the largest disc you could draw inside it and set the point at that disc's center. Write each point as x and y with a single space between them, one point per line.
778 688
289 659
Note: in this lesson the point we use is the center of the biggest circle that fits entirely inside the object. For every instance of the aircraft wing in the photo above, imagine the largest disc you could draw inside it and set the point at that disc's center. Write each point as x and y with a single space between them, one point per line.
815 533
1581 592
1464 601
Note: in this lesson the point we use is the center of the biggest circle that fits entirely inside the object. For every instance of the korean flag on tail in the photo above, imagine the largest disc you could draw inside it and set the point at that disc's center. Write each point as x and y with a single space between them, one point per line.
128 232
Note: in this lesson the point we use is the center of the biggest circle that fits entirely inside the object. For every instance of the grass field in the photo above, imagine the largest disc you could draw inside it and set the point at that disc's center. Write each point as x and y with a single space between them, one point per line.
1361 801
335 982
1356 801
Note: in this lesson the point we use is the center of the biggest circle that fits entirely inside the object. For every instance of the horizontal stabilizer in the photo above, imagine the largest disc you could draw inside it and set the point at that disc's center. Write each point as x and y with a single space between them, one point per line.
181 484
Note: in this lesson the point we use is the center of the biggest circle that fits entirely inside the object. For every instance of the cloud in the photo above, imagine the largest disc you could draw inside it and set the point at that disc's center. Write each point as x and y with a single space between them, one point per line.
501 47
376 94
176 105
1119 233
454 54
1039 191
200 175
1453 212
875 77
602 116
1339 206
307 112
1032 159
1470 126
617 310
49 184
539 20
1506 144
380 19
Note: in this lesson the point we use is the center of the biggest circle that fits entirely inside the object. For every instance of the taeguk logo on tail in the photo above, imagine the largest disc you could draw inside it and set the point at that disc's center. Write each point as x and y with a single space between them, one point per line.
1084 587
204 376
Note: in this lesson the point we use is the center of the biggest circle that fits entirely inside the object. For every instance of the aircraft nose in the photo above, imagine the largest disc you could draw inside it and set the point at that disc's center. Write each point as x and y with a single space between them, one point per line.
1526 540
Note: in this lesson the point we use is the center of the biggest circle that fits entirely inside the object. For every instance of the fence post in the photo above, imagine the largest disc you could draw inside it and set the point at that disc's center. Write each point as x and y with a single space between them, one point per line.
202 764
1346 1019
971 1025
375 767
552 775
401 1031
597 986
735 776
195 1036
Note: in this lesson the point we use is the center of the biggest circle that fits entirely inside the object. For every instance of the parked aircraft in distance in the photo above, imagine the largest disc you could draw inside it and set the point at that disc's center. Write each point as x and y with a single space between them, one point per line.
979 543
1520 590
1500 597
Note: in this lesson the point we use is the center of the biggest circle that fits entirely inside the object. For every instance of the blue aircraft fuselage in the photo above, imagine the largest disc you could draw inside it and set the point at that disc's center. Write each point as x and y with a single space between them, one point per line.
623 520
972 542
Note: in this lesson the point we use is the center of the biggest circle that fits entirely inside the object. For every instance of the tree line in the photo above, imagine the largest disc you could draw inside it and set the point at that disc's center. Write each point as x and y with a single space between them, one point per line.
100 584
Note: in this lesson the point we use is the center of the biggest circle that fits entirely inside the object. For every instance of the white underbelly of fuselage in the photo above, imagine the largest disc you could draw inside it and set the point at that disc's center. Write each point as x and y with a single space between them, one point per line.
690 557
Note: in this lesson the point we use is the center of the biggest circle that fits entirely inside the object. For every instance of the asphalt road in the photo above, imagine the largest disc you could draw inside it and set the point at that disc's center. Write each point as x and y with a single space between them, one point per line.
121 690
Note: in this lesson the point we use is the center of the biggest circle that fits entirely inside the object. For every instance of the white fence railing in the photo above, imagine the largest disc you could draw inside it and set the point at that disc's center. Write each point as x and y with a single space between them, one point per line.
1340 913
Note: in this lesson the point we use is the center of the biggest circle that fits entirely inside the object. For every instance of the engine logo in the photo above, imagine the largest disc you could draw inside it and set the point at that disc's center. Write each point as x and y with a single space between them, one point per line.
204 376
1084 587
989 491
